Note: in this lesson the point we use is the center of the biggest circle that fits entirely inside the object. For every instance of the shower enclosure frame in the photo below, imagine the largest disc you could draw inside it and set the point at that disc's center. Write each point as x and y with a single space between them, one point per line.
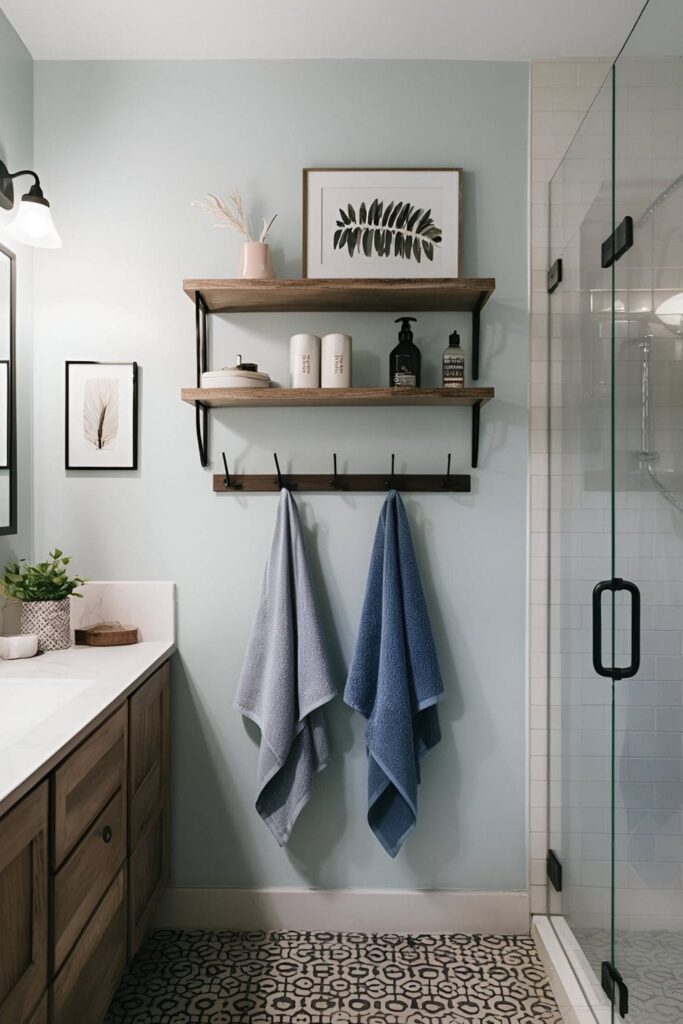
615 779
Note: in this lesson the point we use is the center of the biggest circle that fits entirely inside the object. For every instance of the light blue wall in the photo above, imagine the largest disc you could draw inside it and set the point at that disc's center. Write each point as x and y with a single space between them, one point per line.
16 150
125 147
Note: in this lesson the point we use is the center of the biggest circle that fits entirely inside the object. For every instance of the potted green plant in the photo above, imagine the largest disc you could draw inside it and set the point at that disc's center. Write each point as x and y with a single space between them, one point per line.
44 590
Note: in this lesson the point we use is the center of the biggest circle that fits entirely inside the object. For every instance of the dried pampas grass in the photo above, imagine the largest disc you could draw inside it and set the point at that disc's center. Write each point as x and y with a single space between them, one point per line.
232 215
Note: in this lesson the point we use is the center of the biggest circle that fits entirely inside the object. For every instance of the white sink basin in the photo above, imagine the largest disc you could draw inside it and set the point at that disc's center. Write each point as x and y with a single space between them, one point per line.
25 703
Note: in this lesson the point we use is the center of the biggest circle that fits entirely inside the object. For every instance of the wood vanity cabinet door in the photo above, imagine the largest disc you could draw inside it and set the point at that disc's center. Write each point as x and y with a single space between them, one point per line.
148 864
87 780
86 875
148 870
84 987
148 751
40 1013
23 907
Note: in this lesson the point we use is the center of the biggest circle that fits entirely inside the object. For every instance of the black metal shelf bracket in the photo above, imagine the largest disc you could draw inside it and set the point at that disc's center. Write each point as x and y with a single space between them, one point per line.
476 418
476 327
201 411
202 354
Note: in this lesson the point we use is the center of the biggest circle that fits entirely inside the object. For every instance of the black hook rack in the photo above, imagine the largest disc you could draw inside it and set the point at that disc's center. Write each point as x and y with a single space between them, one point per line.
227 482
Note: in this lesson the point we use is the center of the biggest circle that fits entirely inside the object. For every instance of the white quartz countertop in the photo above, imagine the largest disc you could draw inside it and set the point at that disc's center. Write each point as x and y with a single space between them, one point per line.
50 702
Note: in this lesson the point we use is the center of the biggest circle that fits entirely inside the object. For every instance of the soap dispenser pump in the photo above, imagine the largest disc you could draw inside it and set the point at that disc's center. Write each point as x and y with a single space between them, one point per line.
404 361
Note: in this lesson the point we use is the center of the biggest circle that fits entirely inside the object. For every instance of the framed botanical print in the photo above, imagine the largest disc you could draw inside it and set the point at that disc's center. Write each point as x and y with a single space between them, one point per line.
382 223
101 415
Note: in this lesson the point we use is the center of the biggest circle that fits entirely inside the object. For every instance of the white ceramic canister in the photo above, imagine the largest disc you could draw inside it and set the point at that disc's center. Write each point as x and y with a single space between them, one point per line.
304 361
335 365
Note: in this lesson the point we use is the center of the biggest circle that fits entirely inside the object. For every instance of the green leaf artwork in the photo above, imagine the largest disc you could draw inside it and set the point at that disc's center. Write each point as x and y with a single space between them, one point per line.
401 230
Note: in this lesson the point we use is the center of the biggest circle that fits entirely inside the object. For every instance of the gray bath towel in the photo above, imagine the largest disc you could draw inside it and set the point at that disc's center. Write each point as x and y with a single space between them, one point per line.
286 679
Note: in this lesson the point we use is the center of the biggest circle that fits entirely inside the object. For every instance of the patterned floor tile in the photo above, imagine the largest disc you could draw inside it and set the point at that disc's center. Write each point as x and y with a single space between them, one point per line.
651 964
203 977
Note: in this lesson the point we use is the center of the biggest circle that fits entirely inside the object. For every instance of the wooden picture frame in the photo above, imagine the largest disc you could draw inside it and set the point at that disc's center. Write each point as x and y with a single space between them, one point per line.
101 415
374 250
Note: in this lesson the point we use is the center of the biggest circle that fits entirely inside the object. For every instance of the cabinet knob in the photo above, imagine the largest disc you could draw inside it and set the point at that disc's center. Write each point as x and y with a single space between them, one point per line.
107 834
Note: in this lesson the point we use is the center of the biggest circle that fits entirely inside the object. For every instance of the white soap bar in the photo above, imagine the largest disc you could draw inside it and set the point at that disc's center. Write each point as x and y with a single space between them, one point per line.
18 646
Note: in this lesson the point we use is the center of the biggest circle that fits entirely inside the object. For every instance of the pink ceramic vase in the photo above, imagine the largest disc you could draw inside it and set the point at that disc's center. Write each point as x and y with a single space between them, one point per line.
256 260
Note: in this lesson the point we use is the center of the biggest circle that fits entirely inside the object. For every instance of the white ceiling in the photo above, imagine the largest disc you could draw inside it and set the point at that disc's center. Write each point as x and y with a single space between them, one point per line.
417 29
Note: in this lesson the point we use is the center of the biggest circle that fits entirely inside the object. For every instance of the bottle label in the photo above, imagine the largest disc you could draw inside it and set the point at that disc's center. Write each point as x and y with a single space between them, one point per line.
405 380
453 371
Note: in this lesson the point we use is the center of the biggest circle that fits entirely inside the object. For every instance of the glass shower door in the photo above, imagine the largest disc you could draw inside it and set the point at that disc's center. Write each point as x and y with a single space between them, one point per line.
580 540
615 662
648 526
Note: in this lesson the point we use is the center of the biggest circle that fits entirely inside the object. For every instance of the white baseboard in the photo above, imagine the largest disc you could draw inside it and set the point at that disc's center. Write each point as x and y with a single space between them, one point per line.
364 910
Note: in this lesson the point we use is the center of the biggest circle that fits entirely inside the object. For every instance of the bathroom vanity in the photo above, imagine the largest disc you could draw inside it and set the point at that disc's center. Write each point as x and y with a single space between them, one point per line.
84 806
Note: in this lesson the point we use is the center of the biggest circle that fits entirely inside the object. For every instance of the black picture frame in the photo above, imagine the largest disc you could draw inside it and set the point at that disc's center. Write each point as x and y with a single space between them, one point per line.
11 526
129 467
5 368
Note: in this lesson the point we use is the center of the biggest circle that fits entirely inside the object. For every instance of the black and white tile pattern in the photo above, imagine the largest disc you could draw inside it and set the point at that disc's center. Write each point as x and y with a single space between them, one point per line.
205 977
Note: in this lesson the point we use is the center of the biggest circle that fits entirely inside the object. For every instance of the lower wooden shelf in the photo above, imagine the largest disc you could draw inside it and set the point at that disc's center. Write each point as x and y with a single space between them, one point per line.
216 398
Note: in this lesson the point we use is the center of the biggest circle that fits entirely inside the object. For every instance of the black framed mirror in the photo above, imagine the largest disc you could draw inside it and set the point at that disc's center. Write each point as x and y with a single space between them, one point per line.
8 393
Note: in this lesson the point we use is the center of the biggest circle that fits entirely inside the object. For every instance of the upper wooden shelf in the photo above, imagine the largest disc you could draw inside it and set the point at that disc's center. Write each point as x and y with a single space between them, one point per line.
217 398
376 295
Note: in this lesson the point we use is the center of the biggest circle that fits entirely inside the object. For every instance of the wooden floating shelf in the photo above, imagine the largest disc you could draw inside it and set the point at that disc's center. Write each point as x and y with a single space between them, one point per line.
218 398
363 295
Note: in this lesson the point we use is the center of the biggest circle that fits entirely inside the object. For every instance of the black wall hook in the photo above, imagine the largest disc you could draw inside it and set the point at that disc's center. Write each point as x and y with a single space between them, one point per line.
446 480
390 482
334 482
229 482
280 484
226 478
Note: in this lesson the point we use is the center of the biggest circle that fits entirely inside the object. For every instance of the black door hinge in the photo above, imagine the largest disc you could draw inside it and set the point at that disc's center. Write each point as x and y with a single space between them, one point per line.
554 276
614 987
553 867
619 242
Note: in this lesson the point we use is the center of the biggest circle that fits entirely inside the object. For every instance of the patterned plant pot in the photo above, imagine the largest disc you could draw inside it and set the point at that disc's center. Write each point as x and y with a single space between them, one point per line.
50 621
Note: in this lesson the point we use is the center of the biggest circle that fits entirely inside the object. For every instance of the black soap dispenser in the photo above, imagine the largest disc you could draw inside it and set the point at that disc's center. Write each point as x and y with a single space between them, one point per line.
404 361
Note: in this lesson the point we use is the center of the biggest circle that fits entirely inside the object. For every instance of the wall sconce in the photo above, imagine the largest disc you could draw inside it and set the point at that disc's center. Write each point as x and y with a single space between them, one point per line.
671 311
33 224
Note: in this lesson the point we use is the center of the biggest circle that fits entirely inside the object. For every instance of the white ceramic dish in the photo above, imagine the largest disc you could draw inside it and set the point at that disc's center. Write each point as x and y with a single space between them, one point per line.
235 379
24 646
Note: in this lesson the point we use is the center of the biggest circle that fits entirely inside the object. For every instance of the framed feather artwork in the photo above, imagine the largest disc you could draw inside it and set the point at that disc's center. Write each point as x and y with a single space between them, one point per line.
382 223
101 415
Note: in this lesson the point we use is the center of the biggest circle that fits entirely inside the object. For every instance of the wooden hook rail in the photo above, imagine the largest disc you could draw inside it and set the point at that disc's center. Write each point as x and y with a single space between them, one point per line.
232 483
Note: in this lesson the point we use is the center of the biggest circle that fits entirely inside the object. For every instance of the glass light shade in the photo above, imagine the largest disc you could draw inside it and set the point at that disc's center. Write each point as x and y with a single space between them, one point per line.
671 310
33 225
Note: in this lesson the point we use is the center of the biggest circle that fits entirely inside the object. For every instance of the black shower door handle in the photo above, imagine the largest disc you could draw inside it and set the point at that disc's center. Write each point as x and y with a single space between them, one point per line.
598 590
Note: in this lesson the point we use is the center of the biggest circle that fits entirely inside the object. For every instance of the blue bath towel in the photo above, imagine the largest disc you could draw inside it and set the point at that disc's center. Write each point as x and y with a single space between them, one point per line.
394 680
286 679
